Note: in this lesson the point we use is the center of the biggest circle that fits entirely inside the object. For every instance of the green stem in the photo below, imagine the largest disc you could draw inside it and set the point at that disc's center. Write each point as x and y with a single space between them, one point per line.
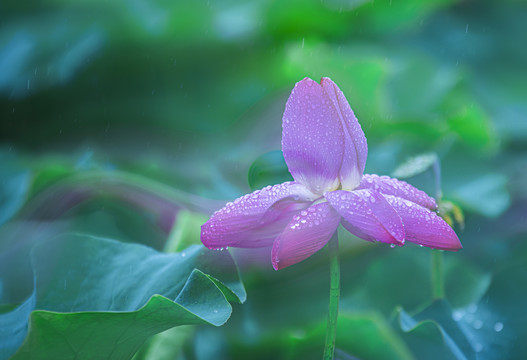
334 295
438 280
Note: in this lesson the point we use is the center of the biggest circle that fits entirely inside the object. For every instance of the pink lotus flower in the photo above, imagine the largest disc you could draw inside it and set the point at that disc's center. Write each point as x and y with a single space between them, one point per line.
325 150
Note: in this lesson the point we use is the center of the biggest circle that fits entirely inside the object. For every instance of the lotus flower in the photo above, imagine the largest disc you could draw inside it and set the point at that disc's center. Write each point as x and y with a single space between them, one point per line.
325 150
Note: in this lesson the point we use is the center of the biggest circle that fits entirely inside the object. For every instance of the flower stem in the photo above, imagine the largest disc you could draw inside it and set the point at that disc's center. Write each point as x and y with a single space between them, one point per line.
334 295
438 279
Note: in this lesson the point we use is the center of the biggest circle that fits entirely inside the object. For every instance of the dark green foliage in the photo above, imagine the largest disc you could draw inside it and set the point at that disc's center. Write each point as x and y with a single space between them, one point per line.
135 120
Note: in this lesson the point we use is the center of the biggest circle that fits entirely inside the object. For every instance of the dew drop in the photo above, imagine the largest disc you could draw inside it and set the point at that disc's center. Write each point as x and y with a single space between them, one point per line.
392 246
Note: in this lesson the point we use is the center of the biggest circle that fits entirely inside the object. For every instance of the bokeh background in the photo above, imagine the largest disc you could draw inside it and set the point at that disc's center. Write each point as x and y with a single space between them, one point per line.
134 120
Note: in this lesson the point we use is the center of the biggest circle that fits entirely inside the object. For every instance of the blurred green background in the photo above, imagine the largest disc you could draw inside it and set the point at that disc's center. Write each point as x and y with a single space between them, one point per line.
136 119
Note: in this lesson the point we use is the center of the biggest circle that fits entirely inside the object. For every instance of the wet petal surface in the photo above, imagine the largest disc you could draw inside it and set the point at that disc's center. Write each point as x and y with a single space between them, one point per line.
390 186
307 233
355 146
312 137
424 227
368 215
256 219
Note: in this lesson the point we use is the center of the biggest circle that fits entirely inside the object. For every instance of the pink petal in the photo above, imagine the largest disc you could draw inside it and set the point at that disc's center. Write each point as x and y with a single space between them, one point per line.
355 146
423 226
312 137
256 219
390 186
307 233
368 215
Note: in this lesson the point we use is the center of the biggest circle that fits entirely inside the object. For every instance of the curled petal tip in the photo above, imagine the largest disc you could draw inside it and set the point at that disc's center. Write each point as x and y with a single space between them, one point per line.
423 226
455 244
204 236
276 264
326 79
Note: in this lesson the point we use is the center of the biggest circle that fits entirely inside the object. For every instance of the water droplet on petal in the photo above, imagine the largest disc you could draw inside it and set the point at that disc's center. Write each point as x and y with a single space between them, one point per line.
392 245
